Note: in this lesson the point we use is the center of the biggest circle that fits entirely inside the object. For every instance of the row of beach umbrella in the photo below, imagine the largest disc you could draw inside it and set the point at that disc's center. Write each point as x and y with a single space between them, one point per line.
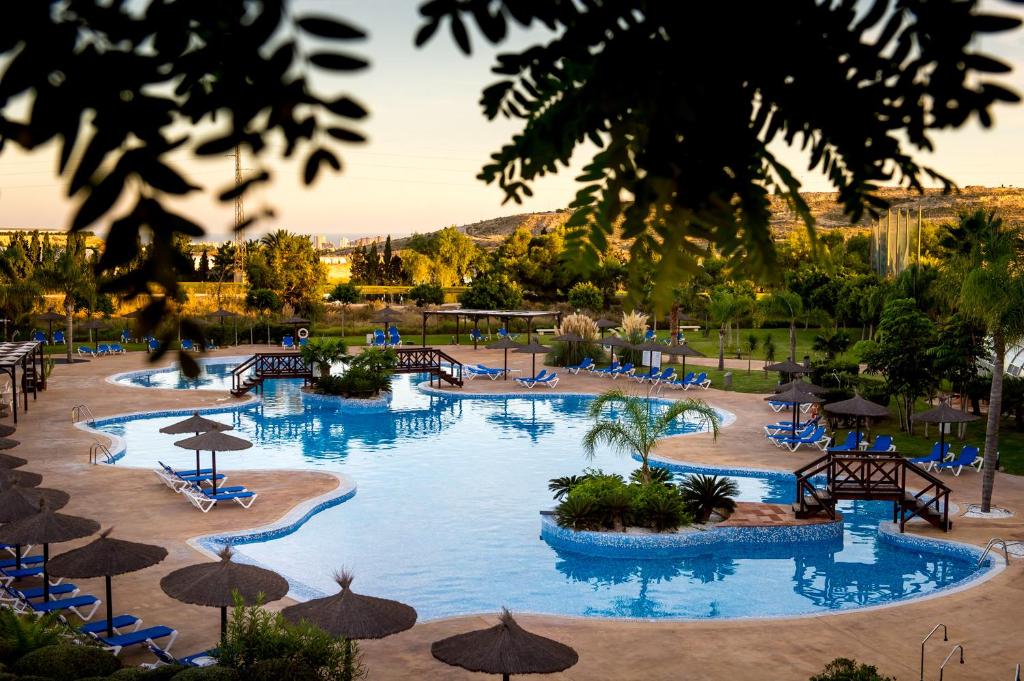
29 515
798 392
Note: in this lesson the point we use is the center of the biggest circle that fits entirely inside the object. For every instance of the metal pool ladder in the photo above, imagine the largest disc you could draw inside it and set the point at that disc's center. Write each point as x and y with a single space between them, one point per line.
943 666
96 450
992 544
945 637
81 412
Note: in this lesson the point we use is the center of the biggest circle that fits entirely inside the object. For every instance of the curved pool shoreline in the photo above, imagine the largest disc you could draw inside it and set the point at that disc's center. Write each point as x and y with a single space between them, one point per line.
306 510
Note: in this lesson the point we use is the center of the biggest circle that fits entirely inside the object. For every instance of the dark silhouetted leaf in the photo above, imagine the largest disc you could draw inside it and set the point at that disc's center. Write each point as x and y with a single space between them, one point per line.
326 27
314 161
337 62
345 135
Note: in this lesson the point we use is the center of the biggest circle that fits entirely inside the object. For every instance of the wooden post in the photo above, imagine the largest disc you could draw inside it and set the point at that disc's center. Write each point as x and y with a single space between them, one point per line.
423 338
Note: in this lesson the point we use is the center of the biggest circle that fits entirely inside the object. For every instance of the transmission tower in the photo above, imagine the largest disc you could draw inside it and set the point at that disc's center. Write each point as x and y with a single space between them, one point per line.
239 218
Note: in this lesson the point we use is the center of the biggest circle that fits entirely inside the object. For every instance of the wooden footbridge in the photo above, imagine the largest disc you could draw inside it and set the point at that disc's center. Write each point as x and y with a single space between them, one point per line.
850 475
261 366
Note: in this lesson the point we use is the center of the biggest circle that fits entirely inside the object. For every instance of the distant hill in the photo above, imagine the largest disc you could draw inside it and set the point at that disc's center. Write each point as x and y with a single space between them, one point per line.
935 207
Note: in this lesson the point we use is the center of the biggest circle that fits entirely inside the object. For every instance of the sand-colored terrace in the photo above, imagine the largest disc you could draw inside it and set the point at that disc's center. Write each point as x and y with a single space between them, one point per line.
985 618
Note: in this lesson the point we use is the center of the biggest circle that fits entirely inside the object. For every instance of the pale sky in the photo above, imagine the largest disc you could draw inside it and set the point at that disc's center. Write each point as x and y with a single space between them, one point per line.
428 140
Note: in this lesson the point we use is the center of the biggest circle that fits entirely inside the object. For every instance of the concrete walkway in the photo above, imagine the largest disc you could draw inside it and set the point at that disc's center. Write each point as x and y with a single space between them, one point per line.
985 618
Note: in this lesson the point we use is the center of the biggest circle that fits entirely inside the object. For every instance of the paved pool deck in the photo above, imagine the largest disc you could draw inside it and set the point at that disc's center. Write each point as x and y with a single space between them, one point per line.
985 618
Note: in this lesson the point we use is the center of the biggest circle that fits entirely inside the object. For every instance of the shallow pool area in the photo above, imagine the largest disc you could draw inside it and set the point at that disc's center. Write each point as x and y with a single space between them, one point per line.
445 515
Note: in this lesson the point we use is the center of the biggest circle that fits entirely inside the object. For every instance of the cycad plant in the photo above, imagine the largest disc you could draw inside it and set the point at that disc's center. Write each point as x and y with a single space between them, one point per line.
20 634
703 494
323 352
638 430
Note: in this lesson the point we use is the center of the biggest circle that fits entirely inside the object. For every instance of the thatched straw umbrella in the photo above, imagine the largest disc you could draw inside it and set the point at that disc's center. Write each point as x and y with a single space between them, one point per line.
533 348
19 502
942 415
504 344
615 342
605 324
682 350
351 616
800 384
20 478
795 397
859 408
105 557
788 367
214 441
214 585
6 430
8 461
294 321
8 443
505 649
46 527
50 317
195 424
92 325
387 315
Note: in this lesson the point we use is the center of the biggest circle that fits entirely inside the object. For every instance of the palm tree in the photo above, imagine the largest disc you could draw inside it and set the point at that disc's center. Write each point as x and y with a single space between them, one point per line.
71 275
724 308
750 346
832 343
985 275
789 305
638 431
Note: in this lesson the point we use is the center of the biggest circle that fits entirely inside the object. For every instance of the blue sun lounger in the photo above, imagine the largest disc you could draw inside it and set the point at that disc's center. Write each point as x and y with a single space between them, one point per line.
968 457
642 378
881 445
585 365
97 628
13 594
207 658
205 500
679 382
933 457
607 371
86 351
626 369
816 437
75 604
701 381
783 427
847 445
528 381
26 561
664 377
502 333
147 636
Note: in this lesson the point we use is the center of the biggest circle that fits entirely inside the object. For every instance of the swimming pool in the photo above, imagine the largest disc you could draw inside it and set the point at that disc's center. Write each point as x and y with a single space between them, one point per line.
446 515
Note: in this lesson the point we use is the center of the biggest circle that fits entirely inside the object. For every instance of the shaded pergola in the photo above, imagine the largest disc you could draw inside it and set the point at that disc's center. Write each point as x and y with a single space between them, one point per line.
26 357
474 316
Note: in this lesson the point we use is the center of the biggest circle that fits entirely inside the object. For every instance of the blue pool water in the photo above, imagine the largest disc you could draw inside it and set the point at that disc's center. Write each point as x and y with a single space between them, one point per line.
445 516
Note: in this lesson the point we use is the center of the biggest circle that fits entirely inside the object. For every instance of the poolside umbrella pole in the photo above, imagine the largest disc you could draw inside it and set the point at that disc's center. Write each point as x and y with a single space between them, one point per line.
46 527
614 342
351 616
106 557
796 397
570 338
215 584
942 415
504 344
859 408
533 348
20 502
214 441
195 424
91 325
505 649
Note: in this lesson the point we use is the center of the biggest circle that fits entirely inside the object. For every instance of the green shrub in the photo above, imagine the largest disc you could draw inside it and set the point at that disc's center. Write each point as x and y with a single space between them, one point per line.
132 674
656 474
164 672
843 669
21 634
67 662
660 507
215 673
861 349
256 635
426 294
368 374
599 501
274 670
586 296
704 494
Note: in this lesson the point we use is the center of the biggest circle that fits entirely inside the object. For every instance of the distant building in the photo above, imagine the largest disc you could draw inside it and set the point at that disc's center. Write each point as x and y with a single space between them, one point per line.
339 268
321 243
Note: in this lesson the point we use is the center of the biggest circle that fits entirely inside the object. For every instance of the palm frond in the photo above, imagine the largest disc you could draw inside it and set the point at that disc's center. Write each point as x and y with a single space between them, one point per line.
688 408
612 433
